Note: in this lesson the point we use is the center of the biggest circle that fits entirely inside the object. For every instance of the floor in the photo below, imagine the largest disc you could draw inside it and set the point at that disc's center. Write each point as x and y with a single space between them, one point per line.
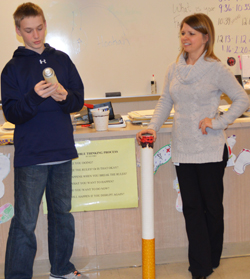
230 268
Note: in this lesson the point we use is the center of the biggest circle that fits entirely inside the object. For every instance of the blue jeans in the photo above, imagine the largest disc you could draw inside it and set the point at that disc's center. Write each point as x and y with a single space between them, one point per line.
30 183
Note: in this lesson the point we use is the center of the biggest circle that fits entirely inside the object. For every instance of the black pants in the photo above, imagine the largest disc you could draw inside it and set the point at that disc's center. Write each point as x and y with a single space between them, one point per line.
201 187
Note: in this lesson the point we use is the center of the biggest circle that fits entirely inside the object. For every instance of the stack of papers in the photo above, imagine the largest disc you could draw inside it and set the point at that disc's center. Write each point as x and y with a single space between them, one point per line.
117 122
7 128
225 108
144 116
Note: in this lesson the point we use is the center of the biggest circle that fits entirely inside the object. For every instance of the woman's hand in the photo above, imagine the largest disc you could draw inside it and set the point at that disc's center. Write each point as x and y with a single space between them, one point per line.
145 131
204 123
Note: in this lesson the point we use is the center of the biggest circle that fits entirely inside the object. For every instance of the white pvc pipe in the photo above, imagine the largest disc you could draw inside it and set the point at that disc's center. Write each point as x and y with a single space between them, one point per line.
147 192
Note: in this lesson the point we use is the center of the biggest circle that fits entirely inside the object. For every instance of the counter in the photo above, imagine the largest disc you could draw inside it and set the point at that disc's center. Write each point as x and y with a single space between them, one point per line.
114 233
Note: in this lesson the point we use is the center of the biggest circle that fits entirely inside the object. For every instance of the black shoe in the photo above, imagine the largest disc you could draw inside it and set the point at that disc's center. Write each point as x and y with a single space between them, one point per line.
199 277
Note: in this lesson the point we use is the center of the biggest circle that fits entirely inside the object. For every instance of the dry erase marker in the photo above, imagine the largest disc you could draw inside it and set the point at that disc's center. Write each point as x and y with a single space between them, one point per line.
240 62
85 125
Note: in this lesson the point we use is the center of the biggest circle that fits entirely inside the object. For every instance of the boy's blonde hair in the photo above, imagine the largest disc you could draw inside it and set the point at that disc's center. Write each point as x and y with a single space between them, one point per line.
26 10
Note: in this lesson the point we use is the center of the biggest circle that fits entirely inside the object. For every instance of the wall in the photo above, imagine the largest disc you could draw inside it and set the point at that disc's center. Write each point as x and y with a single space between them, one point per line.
118 45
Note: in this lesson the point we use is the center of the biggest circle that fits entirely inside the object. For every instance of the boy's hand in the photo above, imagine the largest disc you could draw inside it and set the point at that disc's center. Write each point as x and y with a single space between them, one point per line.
44 89
60 94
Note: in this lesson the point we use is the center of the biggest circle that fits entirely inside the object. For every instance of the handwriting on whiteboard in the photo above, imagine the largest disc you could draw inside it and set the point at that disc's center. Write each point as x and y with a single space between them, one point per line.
230 17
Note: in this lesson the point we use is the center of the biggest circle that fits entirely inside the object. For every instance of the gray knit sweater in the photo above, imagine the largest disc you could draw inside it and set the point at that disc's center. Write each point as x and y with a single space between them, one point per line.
195 92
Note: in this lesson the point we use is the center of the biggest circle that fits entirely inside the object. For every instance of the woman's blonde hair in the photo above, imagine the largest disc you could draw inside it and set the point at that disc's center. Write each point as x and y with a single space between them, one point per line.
26 10
203 24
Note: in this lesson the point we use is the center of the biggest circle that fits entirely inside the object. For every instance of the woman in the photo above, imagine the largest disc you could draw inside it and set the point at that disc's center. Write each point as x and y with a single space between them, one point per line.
194 84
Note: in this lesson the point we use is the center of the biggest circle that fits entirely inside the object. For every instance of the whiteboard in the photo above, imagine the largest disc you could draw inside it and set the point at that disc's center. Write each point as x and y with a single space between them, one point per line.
118 44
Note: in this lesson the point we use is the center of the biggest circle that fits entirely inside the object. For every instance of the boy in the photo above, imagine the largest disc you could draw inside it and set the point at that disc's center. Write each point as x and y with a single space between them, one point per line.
44 146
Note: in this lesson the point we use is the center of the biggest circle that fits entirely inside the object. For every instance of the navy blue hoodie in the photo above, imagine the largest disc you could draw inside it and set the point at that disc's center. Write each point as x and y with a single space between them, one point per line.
43 131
